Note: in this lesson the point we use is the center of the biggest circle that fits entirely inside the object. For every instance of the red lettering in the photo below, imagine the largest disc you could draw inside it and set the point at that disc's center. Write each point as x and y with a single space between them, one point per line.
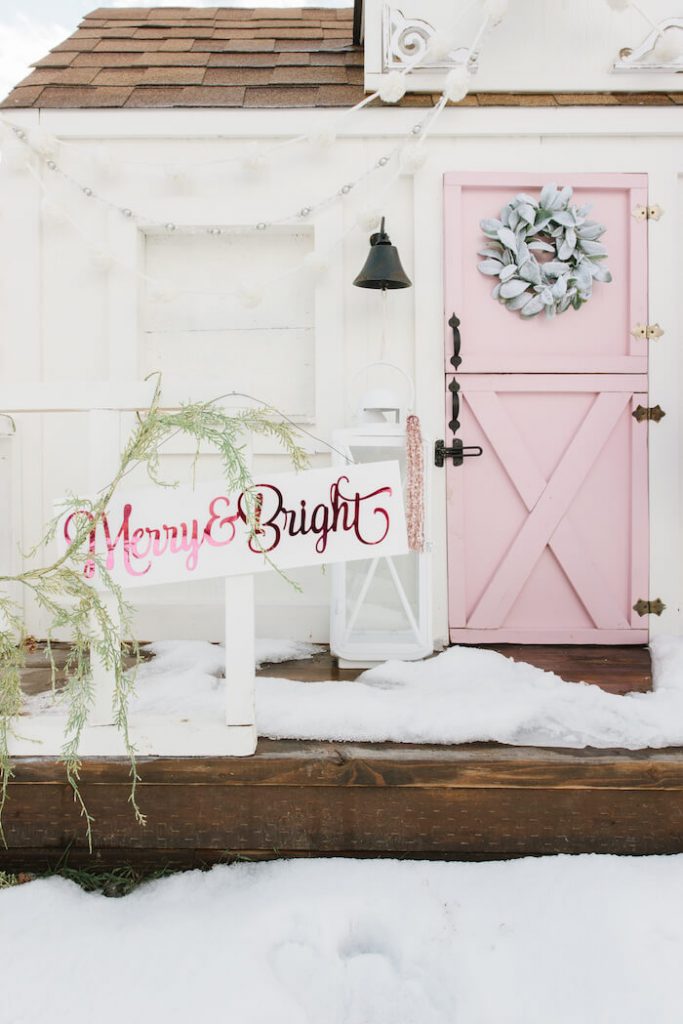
221 524
267 507
261 508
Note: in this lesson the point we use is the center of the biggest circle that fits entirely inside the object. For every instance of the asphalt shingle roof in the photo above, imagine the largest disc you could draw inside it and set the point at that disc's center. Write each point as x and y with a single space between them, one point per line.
234 57
200 57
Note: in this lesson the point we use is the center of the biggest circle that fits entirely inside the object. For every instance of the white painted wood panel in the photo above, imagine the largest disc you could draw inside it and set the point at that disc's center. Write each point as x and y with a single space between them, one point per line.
240 360
556 45
183 131
203 331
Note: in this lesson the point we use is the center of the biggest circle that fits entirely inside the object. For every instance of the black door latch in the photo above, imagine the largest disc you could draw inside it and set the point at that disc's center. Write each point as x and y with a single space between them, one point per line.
458 452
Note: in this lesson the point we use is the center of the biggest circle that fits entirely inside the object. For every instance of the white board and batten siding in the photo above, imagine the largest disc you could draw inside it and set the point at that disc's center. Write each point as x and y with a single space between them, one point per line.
242 348
80 331
8 502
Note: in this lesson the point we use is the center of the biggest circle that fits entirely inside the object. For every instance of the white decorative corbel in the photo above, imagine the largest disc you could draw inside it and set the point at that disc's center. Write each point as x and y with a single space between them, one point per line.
660 51
405 42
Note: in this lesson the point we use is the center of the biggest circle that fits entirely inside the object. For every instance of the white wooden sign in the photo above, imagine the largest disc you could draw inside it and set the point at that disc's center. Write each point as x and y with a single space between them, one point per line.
156 535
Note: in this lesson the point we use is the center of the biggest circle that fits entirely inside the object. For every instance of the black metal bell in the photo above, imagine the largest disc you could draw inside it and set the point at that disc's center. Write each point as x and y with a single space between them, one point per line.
382 267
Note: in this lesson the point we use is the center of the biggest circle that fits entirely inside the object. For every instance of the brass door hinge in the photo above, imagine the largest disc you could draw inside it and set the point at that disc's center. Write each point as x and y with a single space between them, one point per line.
644 607
651 212
649 332
654 413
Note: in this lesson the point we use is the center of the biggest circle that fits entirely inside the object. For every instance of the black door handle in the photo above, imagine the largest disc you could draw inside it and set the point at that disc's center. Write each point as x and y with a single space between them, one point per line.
457 452
454 324
454 389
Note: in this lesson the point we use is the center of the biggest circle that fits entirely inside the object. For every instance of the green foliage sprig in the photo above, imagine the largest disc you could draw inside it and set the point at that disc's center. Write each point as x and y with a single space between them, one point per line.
96 620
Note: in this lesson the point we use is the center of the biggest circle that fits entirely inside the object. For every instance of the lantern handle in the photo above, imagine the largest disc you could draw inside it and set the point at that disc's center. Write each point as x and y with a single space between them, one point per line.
391 366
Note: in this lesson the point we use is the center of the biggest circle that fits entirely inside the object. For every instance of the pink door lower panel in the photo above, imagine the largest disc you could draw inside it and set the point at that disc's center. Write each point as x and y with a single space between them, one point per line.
547 531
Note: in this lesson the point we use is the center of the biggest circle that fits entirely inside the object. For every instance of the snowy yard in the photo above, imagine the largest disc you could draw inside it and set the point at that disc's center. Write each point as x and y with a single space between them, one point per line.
540 941
554 940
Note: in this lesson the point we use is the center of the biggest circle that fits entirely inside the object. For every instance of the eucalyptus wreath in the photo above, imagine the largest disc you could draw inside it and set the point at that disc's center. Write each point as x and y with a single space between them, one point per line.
554 226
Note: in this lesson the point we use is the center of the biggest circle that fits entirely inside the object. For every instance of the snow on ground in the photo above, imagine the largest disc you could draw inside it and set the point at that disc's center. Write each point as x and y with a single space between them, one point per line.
557 940
463 695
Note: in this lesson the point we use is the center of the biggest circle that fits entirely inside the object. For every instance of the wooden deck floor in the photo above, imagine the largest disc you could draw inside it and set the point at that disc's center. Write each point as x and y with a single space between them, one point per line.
614 669
320 799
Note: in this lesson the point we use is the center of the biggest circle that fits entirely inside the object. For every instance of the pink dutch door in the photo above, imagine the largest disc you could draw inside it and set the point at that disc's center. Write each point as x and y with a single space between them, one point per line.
548 529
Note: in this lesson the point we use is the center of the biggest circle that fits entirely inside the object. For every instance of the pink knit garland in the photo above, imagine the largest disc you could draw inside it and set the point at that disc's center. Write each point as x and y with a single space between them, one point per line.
414 484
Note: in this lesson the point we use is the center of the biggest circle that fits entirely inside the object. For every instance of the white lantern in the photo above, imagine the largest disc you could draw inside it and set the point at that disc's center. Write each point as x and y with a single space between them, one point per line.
381 607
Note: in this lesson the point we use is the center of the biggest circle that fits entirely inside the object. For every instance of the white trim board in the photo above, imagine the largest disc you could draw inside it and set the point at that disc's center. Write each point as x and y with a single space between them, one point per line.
43 736
197 125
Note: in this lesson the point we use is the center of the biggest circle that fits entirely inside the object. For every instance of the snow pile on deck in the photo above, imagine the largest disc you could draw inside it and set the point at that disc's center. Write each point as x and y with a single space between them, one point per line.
463 695
185 677
539 941
211 657
272 651
466 695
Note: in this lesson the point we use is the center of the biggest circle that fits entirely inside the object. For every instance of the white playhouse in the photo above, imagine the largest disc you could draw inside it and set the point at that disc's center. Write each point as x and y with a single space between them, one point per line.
190 192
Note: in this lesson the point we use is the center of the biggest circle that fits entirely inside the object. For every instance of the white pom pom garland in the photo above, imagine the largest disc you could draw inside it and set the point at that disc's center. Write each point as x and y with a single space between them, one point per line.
496 10
393 88
438 47
669 46
316 263
412 158
102 261
368 218
26 149
323 139
457 84
52 214
15 157
161 292
256 160
179 180
249 296
44 144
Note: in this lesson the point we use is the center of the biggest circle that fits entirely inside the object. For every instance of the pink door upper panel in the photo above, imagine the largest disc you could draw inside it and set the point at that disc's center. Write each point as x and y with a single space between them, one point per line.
597 338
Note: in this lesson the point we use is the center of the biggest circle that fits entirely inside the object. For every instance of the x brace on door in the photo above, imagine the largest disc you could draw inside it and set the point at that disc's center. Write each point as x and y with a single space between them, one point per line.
548 501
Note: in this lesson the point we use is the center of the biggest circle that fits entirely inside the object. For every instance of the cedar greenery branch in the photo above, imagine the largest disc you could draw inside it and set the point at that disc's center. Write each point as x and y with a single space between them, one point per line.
93 620
550 225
